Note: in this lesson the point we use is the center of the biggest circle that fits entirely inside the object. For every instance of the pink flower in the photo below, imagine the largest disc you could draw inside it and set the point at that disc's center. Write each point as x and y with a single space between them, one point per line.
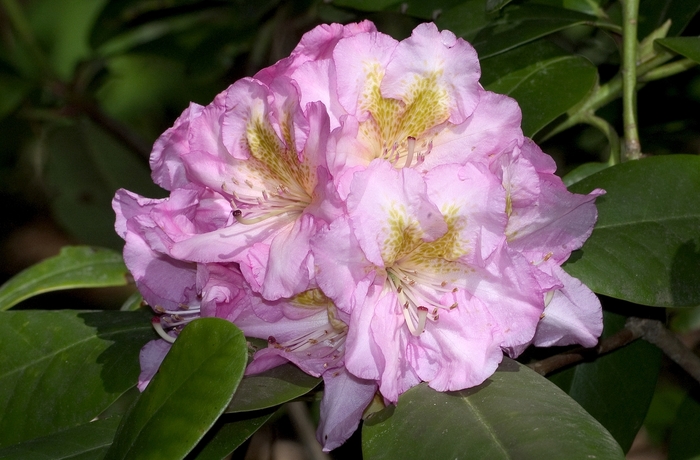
372 211
545 224
425 273
310 332
416 103
249 185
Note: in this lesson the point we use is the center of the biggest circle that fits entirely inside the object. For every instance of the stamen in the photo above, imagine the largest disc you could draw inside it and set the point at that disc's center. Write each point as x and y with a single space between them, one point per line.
410 147
194 311
155 322
422 316
238 215
548 297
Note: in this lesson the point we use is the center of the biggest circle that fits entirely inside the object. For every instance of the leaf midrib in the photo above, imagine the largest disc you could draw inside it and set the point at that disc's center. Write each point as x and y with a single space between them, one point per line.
173 393
645 221
55 352
487 426
24 287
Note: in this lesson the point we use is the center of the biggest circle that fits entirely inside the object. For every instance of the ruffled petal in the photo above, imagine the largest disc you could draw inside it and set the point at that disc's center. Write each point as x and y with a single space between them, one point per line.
436 66
573 315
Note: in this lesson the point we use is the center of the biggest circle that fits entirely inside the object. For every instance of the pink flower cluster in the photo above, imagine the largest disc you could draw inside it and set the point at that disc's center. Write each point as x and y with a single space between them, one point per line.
372 211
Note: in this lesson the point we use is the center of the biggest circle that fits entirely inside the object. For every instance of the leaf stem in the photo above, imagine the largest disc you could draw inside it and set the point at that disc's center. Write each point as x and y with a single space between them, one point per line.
553 363
668 70
610 133
607 25
630 9
651 330
607 93
656 333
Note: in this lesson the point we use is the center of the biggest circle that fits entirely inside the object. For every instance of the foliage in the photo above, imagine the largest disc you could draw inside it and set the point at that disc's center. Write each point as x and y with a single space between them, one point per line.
86 87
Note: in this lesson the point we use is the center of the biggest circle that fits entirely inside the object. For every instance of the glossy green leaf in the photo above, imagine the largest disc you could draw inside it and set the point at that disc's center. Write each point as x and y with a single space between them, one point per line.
60 369
229 432
81 197
685 442
581 172
429 10
84 442
685 46
271 388
645 247
497 67
514 26
516 413
74 267
191 389
592 7
616 388
495 5
652 14
366 5
537 87
140 22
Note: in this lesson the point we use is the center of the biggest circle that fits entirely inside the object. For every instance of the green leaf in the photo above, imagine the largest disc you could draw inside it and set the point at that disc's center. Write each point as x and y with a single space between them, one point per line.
13 90
685 442
229 432
581 172
515 26
135 22
645 246
73 267
668 397
653 14
60 369
61 27
191 389
82 196
685 46
495 5
618 387
592 7
271 388
532 75
88 441
516 413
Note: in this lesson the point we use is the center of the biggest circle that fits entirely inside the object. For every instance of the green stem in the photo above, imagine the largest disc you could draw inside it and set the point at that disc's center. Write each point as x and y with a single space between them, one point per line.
610 133
628 71
609 26
668 70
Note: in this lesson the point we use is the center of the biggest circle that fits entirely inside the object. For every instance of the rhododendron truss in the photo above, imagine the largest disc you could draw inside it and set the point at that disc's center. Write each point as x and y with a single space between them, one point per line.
370 210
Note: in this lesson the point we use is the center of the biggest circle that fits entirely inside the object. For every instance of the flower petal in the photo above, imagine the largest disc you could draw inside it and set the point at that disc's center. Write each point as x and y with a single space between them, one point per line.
345 398
438 68
390 212
574 315
151 356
